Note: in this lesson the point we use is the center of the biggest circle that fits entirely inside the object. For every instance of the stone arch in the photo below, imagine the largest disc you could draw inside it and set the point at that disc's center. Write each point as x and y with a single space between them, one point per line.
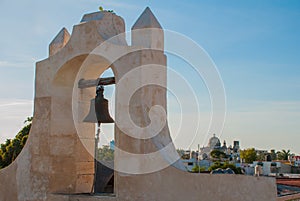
66 91
55 164
70 105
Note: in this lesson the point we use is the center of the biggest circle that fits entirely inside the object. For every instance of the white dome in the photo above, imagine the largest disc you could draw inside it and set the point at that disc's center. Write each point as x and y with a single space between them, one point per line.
214 142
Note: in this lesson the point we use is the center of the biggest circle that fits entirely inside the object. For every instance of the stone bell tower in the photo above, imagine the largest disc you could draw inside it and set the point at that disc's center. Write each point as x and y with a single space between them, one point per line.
57 162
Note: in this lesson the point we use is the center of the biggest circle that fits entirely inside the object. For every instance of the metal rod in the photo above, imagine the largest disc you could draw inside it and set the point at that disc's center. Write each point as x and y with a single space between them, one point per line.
92 83
96 158
198 158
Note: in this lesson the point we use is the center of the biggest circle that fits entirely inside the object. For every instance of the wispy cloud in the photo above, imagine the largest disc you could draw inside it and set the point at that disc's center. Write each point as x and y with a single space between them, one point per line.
17 64
5 64
13 113
14 102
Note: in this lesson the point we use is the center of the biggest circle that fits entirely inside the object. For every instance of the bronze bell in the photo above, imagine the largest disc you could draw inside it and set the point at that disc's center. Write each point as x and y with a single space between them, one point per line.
99 109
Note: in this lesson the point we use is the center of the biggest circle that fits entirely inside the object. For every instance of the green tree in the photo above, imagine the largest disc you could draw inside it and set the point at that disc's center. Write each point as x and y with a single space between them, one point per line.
216 165
261 156
195 169
273 154
10 150
105 153
283 154
102 9
183 154
224 166
248 155
180 152
216 154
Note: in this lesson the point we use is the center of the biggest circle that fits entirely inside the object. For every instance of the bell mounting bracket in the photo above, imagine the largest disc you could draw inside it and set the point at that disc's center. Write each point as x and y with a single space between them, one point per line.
93 83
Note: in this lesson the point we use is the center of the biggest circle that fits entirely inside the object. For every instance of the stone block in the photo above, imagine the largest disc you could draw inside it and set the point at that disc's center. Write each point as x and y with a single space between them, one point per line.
62 146
85 150
84 183
63 165
59 41
84 168
42 109
41 164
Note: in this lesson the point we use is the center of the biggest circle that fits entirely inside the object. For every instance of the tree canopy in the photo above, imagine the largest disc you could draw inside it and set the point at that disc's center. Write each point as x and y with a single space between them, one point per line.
196 168
226 165
216 154
283 154
105 153
12 147
249 155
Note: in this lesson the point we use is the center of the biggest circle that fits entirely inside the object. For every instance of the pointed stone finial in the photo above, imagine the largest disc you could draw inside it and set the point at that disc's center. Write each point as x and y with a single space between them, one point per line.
147 31
59 41
146 20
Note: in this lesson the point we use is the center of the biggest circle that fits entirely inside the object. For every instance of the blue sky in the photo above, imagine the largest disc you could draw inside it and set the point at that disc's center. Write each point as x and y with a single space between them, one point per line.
255 45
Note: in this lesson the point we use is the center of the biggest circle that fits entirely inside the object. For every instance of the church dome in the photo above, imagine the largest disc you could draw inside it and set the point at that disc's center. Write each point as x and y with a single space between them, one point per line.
214 142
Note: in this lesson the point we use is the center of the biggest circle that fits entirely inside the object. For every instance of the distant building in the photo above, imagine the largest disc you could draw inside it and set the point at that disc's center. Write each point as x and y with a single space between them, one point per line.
232 152
236 146
192 162
269 167
261 152
295 160
202 158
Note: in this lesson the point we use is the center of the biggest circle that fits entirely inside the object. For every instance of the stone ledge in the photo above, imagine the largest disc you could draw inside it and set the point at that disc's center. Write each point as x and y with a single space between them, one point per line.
83 197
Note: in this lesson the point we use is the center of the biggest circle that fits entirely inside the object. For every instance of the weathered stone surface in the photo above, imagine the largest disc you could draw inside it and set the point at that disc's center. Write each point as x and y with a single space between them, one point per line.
42 164
109 25
147 32
9 183
92 16
197 187
84 182
85 150
146 20
85 168
62 146
59 41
